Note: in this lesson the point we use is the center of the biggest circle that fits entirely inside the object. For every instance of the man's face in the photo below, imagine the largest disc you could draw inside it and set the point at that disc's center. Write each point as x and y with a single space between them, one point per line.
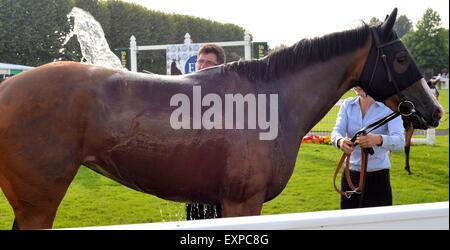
205 61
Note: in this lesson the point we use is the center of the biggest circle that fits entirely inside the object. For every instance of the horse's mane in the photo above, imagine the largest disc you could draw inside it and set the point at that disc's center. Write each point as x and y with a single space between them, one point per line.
299 55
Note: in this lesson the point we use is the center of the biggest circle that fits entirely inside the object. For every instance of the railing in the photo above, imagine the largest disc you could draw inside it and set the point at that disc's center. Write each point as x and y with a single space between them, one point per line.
134 48
410 217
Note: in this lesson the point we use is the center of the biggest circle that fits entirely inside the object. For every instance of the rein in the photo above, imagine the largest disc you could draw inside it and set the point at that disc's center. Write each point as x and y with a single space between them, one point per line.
364 159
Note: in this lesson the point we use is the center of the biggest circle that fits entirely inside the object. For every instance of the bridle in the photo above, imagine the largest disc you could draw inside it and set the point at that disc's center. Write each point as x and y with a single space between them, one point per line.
405 108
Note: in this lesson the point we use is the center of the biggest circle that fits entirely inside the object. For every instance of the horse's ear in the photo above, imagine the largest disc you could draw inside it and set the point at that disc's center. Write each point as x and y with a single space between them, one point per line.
388 24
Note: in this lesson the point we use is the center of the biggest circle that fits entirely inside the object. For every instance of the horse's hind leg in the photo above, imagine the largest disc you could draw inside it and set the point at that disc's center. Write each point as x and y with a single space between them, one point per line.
408 136
407 166
249 207
35 197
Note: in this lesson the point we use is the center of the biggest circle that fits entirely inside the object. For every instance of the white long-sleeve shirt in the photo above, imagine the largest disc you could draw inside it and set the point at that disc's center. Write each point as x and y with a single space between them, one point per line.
350 121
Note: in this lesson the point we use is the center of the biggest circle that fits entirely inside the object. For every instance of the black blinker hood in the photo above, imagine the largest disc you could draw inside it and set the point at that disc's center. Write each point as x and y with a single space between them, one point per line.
374 79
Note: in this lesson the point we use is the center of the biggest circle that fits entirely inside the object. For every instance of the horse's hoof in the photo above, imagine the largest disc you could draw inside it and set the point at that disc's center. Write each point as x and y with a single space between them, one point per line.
408 170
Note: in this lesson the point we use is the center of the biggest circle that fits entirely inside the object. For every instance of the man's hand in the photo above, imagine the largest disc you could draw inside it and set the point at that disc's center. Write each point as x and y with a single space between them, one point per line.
346 145
369 140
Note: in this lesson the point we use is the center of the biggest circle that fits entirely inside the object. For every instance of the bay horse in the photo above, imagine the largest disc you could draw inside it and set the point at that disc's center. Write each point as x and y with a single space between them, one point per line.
59 116
411 124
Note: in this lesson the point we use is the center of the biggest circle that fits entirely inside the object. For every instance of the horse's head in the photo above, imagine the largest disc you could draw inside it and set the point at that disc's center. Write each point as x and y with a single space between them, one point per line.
391 75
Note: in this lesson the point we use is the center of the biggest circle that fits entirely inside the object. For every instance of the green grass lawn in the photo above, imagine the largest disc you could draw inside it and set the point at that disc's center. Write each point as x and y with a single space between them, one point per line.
311 189
94 200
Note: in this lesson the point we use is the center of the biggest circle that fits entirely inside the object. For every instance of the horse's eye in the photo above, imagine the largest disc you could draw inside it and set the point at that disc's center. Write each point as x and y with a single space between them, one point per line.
401 62
402 59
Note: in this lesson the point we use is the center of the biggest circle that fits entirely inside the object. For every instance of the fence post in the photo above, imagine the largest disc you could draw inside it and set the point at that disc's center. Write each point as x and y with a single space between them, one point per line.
248 46
187 39
431 136
133 53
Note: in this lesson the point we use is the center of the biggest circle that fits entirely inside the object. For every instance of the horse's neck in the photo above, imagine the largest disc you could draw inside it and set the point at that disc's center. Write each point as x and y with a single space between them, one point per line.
313 91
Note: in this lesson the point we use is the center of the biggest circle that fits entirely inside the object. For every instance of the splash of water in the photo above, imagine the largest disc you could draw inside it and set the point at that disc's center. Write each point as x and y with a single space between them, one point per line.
172 211
90 36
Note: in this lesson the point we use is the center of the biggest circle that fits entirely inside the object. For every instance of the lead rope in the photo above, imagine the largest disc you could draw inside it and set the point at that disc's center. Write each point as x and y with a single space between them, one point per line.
364 160
363 170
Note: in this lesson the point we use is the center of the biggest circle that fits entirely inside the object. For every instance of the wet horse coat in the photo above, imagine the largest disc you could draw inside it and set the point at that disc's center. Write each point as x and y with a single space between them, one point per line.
64 114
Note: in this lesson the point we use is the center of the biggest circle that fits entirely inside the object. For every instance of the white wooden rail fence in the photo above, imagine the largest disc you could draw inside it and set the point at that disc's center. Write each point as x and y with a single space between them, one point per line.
401 217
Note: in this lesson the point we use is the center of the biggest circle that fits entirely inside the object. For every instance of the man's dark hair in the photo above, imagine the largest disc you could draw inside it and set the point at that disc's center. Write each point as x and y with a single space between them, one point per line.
215 49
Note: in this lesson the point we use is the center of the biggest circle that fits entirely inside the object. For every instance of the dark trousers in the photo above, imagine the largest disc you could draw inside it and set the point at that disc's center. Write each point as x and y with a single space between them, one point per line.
377 191
198 211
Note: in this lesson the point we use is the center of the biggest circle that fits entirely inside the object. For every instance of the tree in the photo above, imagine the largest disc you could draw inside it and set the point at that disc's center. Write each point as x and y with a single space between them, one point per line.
30 30
402 26
374 21
443 36
429 43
